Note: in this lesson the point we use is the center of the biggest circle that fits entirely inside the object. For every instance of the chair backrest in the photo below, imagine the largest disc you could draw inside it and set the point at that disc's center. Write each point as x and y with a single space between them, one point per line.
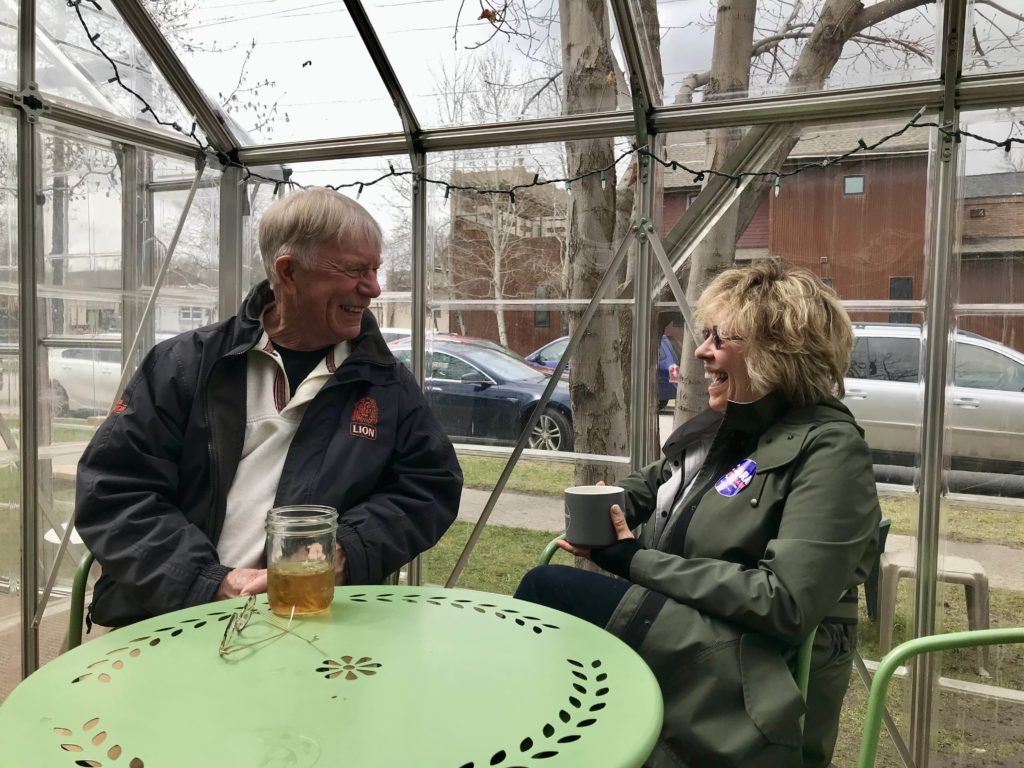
78 601
898 655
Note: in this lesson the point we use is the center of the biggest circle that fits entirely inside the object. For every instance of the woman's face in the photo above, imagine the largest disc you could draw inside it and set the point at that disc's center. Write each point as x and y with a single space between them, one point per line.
725 368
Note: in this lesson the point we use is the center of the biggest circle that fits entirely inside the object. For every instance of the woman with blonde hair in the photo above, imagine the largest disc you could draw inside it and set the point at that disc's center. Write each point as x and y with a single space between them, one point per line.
760 522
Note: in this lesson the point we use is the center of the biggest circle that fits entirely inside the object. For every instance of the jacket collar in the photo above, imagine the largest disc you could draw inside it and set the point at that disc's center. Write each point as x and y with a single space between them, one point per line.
754 418
742 418
368 347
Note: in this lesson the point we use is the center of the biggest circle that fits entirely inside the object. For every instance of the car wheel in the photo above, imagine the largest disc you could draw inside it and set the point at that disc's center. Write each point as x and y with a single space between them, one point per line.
59 402
552 432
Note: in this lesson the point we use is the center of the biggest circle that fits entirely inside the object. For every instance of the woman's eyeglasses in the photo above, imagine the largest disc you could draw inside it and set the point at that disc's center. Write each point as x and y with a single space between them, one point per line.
717 338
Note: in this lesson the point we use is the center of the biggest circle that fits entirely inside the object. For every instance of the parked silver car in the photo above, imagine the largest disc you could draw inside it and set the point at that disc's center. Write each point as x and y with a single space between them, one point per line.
985 415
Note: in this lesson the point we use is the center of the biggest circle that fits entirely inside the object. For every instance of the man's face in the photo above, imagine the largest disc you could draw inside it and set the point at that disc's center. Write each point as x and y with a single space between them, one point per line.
328 300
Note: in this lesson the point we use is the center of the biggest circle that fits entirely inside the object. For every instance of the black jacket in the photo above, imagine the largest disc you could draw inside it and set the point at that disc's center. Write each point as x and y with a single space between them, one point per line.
153 482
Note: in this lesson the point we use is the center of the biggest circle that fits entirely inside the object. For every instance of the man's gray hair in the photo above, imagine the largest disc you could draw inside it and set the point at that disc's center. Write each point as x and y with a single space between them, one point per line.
303 222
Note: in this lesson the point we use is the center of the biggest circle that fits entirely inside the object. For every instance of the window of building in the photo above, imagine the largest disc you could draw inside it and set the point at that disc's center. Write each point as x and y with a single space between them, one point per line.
191 314
901 289
853 185
541 314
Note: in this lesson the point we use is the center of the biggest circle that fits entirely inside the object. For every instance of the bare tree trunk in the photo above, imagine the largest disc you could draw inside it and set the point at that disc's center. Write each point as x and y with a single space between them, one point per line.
730 73
499 294
838 21
596 381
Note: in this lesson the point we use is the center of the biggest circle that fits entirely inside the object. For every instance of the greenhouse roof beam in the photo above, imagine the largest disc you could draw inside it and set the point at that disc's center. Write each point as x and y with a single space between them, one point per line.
976 91
851 104
166 60
639 77
108 126
410 125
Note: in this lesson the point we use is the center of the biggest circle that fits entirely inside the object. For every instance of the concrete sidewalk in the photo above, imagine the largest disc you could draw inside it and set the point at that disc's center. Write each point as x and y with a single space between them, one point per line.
1004 565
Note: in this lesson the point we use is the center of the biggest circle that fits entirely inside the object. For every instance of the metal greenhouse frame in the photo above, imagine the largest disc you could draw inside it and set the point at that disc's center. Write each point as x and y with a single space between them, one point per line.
943 95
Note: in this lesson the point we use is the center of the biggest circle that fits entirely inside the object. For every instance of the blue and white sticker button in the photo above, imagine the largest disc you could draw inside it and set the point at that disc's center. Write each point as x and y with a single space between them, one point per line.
737 478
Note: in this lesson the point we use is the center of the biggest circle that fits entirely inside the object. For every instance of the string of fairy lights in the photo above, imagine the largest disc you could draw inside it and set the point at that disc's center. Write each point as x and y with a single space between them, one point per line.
699 175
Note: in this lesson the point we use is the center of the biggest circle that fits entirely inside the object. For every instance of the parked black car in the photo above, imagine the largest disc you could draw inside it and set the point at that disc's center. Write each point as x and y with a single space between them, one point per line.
481 394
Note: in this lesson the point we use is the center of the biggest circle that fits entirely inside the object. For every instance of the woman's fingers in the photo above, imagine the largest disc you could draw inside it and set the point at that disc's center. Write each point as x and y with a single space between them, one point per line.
619 523
578 551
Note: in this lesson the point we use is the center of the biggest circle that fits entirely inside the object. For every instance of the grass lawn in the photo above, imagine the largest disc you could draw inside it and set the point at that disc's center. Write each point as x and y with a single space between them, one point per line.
960 522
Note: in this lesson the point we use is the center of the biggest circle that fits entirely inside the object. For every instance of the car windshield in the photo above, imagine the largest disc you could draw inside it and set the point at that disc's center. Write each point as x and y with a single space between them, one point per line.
502 364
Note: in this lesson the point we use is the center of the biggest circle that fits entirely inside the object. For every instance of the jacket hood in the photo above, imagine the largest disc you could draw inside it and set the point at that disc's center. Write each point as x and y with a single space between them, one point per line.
823 412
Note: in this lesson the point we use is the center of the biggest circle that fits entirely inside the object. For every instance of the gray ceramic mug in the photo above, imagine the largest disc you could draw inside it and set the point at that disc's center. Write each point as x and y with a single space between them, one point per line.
588 522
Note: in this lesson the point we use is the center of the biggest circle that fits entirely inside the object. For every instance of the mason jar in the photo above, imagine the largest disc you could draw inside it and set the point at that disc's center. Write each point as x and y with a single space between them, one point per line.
300 559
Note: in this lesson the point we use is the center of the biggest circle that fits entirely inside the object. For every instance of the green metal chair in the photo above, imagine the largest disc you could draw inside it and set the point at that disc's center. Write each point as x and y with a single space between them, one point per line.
898 655
78 601
802 673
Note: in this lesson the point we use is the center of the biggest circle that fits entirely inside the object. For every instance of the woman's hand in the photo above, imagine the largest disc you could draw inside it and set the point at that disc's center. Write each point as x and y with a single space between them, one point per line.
622 532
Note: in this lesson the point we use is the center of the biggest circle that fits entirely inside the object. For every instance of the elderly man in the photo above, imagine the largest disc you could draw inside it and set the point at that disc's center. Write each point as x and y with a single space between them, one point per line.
295 400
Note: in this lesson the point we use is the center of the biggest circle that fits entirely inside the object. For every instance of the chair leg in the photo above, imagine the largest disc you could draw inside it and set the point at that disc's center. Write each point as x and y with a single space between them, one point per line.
887 605
971 596
981 602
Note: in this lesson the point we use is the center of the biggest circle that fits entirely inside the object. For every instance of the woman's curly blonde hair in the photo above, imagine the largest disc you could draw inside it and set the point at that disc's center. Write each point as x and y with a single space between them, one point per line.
797 337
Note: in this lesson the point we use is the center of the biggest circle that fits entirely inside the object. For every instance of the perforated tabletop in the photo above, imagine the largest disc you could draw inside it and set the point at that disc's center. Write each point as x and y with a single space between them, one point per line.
393 676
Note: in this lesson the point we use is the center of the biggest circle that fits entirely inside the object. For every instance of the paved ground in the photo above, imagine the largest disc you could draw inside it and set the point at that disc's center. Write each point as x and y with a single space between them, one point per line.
1004 565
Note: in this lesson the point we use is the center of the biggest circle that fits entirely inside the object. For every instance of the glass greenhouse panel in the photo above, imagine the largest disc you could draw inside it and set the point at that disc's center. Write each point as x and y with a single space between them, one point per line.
995 35
284 70
81 199
9 43
10 404
460 65
385 195
483 391
787 50
858 224
987 408
71 67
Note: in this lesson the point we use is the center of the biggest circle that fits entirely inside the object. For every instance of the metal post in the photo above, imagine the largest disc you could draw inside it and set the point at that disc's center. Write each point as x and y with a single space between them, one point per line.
232 208
28 275
132 276
419 295
639 393
936 339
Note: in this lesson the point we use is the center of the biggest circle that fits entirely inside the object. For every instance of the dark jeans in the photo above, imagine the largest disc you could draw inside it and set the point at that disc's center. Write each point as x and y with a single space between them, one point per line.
589 596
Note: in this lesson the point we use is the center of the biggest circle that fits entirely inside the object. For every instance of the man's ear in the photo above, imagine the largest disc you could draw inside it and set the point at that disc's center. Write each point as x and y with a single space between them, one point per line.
284 271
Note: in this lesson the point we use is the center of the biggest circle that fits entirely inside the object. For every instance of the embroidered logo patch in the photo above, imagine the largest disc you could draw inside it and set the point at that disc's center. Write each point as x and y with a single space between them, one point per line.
119 407
364 419
737 478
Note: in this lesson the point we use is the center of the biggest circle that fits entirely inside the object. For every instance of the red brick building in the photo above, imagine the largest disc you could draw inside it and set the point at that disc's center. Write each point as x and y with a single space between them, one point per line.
860 225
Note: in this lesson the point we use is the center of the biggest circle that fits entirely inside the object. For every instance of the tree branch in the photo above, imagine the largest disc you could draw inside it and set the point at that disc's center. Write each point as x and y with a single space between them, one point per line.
1001 9
879 12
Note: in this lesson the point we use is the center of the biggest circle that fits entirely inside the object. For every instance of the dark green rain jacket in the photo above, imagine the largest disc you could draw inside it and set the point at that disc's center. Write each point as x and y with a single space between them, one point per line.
720 603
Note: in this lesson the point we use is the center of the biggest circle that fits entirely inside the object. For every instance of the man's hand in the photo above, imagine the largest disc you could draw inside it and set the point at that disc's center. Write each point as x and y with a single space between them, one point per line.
242 581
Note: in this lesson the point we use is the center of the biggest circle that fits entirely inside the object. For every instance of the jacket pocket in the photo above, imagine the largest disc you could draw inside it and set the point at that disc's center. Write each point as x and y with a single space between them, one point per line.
770 693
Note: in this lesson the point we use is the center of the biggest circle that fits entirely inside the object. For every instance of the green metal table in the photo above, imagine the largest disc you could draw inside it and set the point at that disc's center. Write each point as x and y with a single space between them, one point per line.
392 676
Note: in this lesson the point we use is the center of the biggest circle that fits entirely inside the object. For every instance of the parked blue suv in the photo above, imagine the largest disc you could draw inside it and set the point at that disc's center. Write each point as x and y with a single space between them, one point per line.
668 364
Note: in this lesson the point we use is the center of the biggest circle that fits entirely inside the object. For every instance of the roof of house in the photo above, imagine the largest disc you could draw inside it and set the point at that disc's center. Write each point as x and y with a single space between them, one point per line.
994 184
815 142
